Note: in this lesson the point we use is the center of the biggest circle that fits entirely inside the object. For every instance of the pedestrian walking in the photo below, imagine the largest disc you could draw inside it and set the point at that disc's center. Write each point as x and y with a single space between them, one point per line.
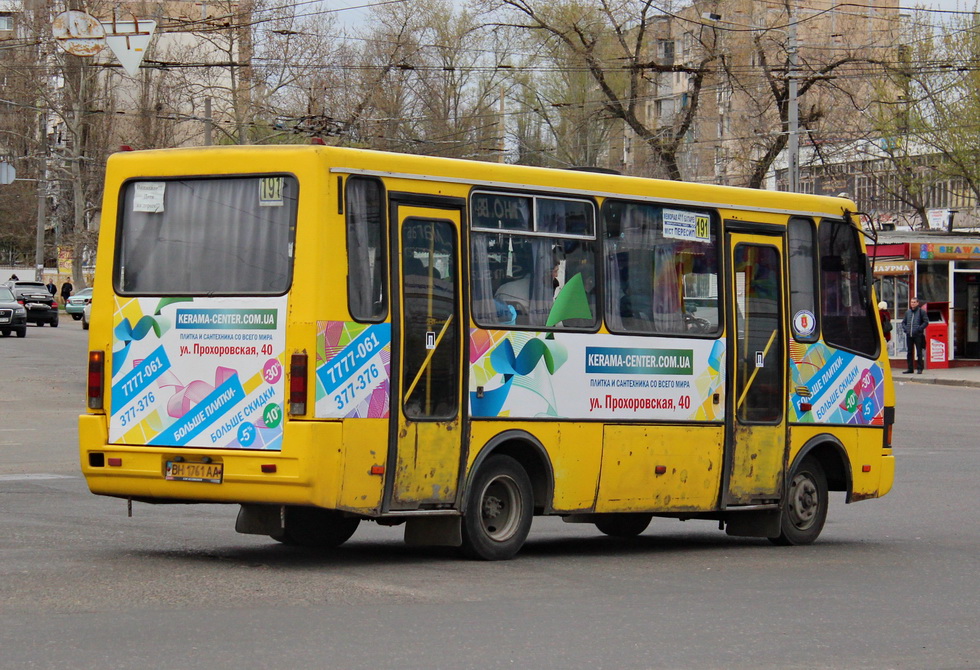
66 290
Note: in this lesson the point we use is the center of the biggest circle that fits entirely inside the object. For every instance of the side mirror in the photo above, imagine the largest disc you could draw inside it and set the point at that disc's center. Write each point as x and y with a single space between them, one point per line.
868 281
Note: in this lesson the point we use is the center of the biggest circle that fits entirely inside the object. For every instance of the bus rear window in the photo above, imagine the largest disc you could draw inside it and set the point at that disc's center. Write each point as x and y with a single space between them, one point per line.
230 236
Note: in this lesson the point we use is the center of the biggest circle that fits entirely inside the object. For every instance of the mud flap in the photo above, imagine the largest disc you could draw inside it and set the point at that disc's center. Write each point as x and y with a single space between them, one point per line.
434 531
260 519
762 523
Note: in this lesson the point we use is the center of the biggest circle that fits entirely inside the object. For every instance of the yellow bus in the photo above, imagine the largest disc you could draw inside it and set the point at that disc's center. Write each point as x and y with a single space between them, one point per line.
326 336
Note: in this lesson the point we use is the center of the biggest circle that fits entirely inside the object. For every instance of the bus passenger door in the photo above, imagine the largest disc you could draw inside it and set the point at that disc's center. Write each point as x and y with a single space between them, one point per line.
427 439
756 444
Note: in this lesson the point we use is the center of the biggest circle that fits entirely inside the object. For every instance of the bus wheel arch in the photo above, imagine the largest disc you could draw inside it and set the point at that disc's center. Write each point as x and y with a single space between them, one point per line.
511 479
499 510
819 468
832 456
531 455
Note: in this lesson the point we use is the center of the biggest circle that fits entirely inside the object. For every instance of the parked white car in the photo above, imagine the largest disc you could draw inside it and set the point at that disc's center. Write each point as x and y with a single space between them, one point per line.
77 302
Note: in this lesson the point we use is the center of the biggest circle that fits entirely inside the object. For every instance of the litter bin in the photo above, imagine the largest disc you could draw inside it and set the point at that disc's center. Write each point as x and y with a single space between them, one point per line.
937 335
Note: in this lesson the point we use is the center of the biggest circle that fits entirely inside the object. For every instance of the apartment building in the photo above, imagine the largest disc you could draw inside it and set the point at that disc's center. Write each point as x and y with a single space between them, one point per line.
750 52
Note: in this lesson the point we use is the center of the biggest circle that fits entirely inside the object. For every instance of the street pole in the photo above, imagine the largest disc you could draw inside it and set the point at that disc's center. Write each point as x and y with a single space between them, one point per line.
207 122
501 120
39 240
793 145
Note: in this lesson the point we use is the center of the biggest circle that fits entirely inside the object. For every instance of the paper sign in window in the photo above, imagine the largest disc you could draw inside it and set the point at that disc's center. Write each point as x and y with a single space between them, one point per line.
680 225
148 196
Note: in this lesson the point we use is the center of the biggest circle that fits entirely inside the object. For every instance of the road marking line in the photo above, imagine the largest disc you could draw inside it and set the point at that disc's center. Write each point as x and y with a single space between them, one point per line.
14 478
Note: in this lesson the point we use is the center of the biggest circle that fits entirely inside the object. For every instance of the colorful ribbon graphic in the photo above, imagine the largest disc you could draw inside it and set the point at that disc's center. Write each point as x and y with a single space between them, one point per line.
508 363
127 333
572 302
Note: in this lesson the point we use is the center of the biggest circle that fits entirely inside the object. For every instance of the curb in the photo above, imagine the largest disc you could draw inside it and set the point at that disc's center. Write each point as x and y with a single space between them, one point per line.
941 382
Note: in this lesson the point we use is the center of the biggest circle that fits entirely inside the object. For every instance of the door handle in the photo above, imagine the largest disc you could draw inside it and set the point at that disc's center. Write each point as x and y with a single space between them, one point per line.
428 357
755 371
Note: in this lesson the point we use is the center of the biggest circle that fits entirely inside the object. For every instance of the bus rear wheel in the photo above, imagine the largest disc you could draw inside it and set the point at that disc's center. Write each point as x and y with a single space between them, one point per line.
623 525
499 510
805 510
316 528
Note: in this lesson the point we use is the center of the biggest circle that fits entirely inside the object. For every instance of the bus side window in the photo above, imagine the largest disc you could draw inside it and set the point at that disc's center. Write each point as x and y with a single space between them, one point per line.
661 270
540 280
802 279
367 279
846 314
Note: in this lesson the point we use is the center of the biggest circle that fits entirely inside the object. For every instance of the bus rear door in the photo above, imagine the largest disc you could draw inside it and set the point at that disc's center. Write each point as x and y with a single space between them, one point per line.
427 437
755 457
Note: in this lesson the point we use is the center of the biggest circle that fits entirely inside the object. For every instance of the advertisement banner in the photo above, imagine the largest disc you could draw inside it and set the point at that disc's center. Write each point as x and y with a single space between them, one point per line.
586 376
834 387
65 260
198 372
353 370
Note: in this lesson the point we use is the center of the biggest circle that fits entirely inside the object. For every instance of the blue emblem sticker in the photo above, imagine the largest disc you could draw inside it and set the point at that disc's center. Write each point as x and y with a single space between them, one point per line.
804 323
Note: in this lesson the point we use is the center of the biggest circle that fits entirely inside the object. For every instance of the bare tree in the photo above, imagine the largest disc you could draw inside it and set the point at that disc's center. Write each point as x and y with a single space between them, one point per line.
926 118
942 110
432 82
616 43
21 140
830 56
560 119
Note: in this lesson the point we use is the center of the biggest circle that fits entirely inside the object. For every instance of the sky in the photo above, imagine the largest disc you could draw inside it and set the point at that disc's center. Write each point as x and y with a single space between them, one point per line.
949 5
352 12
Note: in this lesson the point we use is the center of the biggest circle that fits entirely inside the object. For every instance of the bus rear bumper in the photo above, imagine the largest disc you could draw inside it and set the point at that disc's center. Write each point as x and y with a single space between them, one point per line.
887 475
875 483
140 472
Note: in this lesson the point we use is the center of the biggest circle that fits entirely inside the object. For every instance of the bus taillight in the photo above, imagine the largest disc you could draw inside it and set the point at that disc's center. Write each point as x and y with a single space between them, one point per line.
297 384
889 424
96 376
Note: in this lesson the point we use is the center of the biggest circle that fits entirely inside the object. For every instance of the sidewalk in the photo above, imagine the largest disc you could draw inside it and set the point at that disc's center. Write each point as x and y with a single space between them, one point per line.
969 377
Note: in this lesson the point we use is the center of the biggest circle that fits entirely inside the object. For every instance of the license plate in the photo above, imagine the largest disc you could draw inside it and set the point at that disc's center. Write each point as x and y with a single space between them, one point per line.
36 305
4 319
183 471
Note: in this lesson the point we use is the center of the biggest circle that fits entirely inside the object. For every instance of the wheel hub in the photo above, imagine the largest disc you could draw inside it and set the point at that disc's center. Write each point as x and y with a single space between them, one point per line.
499 509
492 507
804 501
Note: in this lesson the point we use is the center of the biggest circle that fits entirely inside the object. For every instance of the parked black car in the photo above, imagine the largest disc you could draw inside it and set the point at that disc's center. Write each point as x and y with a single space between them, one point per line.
42 307
13 315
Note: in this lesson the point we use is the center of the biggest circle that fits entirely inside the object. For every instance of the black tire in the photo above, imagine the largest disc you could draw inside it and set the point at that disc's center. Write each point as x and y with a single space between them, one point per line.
5 332
499 510
316 528
54 322
84 324
805 508
76 317
21 332
623 525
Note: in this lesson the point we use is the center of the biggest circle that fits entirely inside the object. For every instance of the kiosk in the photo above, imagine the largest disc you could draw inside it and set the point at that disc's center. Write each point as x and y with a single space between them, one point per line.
937 335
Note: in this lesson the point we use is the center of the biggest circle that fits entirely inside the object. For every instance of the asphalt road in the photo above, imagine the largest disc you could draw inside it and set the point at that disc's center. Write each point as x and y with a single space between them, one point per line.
892 583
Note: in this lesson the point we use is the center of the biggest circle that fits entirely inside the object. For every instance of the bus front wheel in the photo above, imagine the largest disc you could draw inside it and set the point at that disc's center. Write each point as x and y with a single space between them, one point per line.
316 528
805 510
623 525
498 511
